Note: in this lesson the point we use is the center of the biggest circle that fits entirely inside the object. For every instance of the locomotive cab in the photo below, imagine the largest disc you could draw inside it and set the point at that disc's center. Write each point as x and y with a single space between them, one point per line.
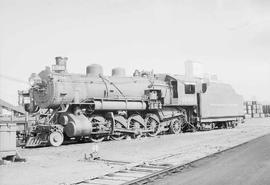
182 92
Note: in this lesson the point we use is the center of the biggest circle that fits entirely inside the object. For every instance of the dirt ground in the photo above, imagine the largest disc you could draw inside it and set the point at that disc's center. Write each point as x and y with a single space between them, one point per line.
66 164
247 164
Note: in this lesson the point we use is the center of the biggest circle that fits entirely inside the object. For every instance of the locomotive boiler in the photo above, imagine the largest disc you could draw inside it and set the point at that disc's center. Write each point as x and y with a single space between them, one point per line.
97 107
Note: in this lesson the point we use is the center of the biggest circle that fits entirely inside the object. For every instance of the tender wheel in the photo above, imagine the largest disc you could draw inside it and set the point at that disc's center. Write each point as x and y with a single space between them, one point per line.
120 121
152 123
56 138
176 126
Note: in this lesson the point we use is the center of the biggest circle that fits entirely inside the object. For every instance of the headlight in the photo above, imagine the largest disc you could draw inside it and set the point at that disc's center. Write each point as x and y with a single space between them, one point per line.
34 79
32 82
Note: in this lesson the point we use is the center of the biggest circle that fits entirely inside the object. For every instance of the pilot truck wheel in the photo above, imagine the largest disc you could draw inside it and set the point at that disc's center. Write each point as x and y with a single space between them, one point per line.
56 138
175 126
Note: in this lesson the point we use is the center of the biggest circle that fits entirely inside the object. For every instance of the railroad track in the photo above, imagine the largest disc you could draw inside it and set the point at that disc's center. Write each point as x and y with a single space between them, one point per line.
138 174
135 174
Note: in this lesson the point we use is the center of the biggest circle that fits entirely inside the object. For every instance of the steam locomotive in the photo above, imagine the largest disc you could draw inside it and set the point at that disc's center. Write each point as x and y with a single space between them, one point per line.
95 107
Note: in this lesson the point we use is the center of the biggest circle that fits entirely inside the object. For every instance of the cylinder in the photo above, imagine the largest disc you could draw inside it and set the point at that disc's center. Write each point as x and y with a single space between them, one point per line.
78 126
120 72
94 70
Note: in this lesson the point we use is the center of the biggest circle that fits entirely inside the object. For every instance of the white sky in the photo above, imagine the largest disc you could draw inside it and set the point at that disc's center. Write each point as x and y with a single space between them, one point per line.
231 38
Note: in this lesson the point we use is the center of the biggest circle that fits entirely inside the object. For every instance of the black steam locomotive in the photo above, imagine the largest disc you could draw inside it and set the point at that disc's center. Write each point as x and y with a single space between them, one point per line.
97 107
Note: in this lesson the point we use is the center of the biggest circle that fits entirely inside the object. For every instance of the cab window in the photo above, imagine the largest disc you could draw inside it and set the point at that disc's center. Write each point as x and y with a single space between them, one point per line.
174 87
204 87
189 89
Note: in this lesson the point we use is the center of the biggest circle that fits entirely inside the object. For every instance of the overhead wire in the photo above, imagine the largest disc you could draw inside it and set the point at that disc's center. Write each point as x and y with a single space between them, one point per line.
13 79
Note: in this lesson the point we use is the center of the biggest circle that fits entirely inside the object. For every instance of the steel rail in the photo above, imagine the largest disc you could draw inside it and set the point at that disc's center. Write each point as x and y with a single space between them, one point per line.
177 168
144 173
